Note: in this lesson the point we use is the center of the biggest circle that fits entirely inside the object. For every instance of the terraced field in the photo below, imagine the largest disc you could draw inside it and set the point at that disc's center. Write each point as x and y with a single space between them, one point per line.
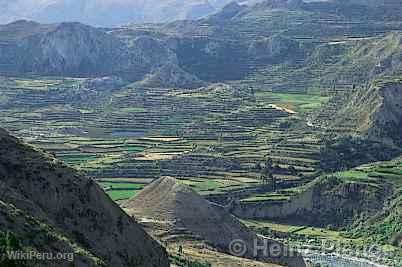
296 230
390 172
378 229
215 138
120 189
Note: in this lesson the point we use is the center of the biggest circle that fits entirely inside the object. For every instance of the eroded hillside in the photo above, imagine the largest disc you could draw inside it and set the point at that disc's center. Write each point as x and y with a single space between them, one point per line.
70 209
180 211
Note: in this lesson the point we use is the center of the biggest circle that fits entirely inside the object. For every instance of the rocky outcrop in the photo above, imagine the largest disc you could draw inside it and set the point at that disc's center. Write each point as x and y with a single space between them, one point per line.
36 187
373 58
179 209
374 111
379 110
274 47
74 49
171 76
327 202
274 210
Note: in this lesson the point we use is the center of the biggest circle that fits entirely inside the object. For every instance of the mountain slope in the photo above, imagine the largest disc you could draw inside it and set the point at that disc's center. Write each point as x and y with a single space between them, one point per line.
53 194
16 224
326 201
108 13
105 12
367 59
376 110
232 44
181 209
74 49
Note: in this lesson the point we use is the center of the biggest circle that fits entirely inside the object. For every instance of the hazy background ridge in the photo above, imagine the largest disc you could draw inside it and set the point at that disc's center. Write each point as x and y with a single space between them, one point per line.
111 12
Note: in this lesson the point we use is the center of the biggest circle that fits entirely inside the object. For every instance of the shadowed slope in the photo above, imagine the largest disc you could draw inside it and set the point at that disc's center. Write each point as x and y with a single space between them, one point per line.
71 205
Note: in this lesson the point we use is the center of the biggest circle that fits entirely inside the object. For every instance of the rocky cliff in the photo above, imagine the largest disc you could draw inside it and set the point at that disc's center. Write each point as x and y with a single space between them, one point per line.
274 48
374 111
329 201
52 208
379 110
74 49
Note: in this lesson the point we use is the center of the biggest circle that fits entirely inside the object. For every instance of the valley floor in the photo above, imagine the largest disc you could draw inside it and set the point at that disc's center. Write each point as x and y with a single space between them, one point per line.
215 139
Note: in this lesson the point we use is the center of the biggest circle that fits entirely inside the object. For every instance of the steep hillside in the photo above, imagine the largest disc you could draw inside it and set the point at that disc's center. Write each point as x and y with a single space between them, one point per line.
15 228
378 110
326 202
180 209
357 209
381 225
44 198
373 110
364 200
367 59
385 226
239 42
74 49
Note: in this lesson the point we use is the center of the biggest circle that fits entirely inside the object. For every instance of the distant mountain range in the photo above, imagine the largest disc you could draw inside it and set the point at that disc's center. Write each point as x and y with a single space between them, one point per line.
190 48
109 12
232 44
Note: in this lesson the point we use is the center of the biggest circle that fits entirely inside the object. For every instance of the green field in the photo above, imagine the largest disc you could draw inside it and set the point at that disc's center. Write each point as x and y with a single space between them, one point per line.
376 173
210 139
118 195
295 102
120 189
297 230
266 197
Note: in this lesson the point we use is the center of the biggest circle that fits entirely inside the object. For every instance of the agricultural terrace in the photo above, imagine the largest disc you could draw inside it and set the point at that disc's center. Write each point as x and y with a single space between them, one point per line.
215 139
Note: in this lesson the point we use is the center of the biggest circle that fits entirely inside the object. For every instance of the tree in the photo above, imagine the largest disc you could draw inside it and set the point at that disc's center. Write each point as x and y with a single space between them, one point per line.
252 93
292 169
258 166
267 175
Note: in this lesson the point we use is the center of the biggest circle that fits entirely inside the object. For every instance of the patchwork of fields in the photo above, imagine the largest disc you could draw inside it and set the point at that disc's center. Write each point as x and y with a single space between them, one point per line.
215 139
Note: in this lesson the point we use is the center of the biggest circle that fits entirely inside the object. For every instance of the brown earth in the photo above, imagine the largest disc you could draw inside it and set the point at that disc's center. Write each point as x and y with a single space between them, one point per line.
53 208
178 212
